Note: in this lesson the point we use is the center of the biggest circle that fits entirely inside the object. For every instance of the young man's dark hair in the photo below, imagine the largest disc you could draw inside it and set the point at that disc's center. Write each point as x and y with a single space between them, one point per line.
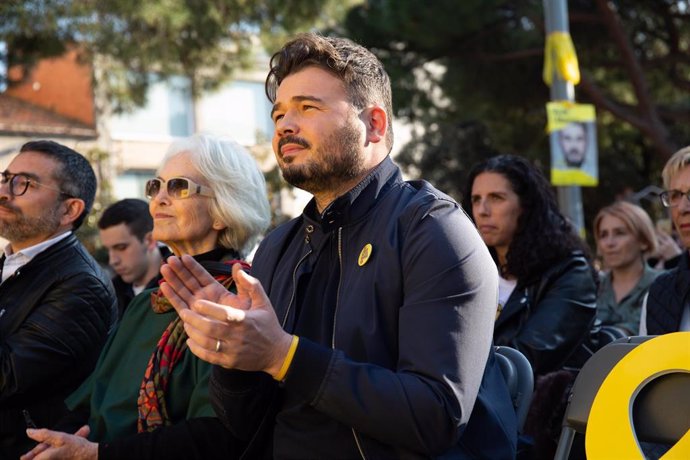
75 177
131 211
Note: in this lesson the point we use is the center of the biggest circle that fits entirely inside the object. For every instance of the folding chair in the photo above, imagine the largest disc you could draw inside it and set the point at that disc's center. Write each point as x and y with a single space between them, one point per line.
517 372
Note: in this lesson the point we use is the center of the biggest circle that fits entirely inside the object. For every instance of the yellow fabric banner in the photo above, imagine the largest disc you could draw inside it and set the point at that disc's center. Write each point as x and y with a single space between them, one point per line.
560 57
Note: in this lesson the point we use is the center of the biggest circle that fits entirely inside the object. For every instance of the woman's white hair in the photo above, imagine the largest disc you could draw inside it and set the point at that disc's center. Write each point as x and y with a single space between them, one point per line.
240 201
678 161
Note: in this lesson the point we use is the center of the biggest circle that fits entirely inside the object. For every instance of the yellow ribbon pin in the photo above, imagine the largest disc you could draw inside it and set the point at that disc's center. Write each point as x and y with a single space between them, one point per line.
364 254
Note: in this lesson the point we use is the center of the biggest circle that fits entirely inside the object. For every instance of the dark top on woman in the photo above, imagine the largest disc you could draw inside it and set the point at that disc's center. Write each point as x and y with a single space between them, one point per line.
548 318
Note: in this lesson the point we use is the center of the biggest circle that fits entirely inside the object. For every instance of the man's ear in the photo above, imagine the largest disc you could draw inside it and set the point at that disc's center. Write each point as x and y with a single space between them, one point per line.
73 209
148 241
377 123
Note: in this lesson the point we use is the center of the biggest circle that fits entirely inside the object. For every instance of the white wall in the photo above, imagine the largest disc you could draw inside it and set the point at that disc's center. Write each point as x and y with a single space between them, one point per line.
239 110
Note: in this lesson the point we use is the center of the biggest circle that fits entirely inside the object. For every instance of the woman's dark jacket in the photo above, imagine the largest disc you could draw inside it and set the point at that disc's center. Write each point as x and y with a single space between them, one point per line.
55 315
547 319
667 298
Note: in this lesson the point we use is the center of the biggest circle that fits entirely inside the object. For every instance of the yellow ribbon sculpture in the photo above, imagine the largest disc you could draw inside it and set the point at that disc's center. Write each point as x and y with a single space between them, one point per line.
560 56
610 433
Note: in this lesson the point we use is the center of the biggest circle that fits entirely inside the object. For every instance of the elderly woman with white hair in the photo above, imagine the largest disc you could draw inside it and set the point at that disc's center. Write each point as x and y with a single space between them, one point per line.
148 396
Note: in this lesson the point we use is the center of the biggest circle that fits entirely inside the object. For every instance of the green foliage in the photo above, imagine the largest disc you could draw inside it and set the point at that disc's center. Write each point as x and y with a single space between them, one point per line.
88 232
204 40
135 42
32 28
470 72
301 16
444 152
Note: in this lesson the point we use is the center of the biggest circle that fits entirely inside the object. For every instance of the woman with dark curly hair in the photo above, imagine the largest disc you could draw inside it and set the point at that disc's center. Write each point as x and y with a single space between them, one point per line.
547 287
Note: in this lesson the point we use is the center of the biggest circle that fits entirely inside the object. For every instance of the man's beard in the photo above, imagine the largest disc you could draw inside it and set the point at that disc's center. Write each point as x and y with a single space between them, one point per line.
337 160
574 159
24 228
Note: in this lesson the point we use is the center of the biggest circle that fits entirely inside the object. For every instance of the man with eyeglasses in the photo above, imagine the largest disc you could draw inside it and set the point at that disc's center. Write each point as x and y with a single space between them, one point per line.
56 304
667 307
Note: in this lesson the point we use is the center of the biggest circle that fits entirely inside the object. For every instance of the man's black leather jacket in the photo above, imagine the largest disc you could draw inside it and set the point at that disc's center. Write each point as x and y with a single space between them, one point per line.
55 315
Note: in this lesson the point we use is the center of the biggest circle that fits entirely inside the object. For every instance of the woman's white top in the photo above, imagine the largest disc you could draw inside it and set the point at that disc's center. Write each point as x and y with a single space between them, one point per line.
505 288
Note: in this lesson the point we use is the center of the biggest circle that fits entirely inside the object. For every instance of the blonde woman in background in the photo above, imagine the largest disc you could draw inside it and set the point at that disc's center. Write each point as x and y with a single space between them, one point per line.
625 237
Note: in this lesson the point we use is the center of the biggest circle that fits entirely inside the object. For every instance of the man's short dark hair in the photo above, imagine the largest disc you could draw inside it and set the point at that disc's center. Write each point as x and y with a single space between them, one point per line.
362 74
581 124
75 177
132 212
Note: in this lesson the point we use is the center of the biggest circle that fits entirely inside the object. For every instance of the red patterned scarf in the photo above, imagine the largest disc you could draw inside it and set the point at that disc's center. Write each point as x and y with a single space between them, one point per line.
153 411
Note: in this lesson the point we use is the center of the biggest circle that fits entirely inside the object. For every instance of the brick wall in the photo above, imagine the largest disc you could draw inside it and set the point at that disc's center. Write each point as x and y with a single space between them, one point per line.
62 85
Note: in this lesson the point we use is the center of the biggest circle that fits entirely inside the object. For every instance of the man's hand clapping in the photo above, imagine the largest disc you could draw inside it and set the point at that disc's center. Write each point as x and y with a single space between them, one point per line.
236 331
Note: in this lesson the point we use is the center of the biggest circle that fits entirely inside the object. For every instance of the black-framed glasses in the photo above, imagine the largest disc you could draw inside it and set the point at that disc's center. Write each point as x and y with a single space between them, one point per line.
177 187
19 183
672 198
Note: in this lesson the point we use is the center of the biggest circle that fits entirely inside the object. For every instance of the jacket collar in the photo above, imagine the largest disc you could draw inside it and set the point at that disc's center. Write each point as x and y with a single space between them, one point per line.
32 251
522 295
70 240
356 203
683 278
45 257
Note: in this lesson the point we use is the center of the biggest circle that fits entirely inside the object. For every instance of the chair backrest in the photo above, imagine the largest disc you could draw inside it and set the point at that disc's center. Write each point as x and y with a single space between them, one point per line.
588 381
609 334
517 372
636 339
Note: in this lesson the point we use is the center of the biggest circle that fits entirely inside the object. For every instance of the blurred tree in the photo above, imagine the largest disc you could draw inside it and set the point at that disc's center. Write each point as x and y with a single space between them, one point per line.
470 73
204 40
32 30
132 44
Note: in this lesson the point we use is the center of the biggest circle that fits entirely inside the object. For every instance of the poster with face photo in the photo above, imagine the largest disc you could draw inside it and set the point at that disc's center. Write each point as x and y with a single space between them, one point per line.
573 139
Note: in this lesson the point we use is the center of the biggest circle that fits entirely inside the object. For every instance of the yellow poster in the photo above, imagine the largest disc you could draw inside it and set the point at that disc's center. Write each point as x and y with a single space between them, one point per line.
573 139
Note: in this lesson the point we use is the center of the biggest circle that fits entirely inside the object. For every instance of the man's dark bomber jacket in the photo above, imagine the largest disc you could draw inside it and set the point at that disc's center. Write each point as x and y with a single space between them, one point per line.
411 336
